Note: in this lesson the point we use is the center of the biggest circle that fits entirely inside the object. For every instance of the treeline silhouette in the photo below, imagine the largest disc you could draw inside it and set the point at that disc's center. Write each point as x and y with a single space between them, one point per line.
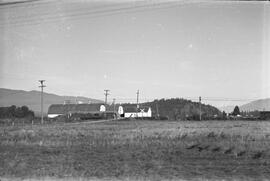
181 109
16 112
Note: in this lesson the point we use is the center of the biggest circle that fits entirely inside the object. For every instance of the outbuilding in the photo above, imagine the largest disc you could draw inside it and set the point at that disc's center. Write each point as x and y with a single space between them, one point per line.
69 109
133 111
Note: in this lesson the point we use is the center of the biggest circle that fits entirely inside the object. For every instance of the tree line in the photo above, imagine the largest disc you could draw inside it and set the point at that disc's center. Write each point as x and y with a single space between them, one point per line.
16 112
182 109
236 112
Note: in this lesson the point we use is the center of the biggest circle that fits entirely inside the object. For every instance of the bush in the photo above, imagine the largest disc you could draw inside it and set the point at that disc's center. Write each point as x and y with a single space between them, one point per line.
16 112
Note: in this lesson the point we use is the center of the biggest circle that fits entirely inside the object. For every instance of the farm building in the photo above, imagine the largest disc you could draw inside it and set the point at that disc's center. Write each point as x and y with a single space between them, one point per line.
265 115
68 109
133 111
97 111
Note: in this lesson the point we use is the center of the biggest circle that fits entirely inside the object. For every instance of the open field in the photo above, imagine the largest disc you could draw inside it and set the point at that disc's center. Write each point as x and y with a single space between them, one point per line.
137 150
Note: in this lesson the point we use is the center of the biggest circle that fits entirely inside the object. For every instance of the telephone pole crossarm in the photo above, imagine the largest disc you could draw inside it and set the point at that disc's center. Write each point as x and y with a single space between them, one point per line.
42 86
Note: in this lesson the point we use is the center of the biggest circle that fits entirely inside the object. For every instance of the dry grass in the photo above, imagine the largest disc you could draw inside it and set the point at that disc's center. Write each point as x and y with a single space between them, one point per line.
137 150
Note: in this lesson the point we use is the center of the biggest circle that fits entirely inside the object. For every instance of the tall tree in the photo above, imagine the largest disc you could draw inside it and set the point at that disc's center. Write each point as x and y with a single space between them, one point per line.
236 111
224 115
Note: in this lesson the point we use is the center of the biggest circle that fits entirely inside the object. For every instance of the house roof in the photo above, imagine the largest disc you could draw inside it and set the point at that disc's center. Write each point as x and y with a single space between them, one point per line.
67 108
133 109
130 109
144 109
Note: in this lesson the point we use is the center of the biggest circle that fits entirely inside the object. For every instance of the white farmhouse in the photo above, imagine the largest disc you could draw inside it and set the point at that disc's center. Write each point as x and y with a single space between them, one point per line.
132 111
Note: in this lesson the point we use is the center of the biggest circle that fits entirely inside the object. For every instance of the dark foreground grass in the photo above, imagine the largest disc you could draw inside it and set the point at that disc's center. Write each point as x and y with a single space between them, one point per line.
136 151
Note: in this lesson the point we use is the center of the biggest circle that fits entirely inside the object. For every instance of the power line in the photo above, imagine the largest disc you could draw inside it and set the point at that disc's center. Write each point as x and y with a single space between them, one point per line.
100 13
81 14
194 98
43 3
5 4
186 98
47 15
107 12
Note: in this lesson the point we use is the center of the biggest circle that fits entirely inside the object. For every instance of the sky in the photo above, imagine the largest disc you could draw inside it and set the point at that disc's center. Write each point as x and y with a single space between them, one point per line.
218 50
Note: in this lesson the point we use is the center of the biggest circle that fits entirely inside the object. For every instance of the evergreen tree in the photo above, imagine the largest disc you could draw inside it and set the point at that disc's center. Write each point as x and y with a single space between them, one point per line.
236 111
224 115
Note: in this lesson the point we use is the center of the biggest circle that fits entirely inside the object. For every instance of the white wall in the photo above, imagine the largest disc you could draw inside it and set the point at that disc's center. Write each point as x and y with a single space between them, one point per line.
120 110
128 115
139 114
102 108
53 115
149 113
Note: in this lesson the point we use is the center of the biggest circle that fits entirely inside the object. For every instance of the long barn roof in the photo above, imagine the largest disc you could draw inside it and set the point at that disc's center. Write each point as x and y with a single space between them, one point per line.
66 108
132 108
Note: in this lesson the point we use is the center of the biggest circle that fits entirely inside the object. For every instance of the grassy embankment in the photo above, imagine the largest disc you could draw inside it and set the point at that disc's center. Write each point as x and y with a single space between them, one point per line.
137 150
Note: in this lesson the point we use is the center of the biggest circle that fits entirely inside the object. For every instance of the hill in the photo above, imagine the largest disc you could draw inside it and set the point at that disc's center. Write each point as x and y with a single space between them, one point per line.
31 99
260 105
227 109
180 109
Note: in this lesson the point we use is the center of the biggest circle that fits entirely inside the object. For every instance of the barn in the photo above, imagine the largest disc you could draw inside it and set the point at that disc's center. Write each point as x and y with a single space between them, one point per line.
69 109
133 111
98 111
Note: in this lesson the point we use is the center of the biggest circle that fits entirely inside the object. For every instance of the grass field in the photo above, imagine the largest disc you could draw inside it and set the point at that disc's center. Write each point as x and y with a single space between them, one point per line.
137 150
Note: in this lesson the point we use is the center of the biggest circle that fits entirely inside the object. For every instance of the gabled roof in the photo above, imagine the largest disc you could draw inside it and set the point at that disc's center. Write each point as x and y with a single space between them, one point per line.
67 108
144 109
130 109
133 109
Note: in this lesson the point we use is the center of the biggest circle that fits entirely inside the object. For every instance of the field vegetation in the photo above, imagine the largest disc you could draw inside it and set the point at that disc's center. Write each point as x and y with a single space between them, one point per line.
137 150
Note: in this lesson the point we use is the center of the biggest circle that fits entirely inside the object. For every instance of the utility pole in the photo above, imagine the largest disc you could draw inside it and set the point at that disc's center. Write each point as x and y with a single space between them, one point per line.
200 100
114 115
106 95
157 110
138 92
42 86
113 104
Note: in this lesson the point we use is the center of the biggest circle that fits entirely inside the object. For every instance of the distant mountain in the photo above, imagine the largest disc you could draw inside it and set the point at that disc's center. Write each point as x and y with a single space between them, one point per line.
31 99
260 105
227 109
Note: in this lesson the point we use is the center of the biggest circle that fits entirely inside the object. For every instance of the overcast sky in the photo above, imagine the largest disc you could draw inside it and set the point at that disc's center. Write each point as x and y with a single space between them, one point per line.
167 49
